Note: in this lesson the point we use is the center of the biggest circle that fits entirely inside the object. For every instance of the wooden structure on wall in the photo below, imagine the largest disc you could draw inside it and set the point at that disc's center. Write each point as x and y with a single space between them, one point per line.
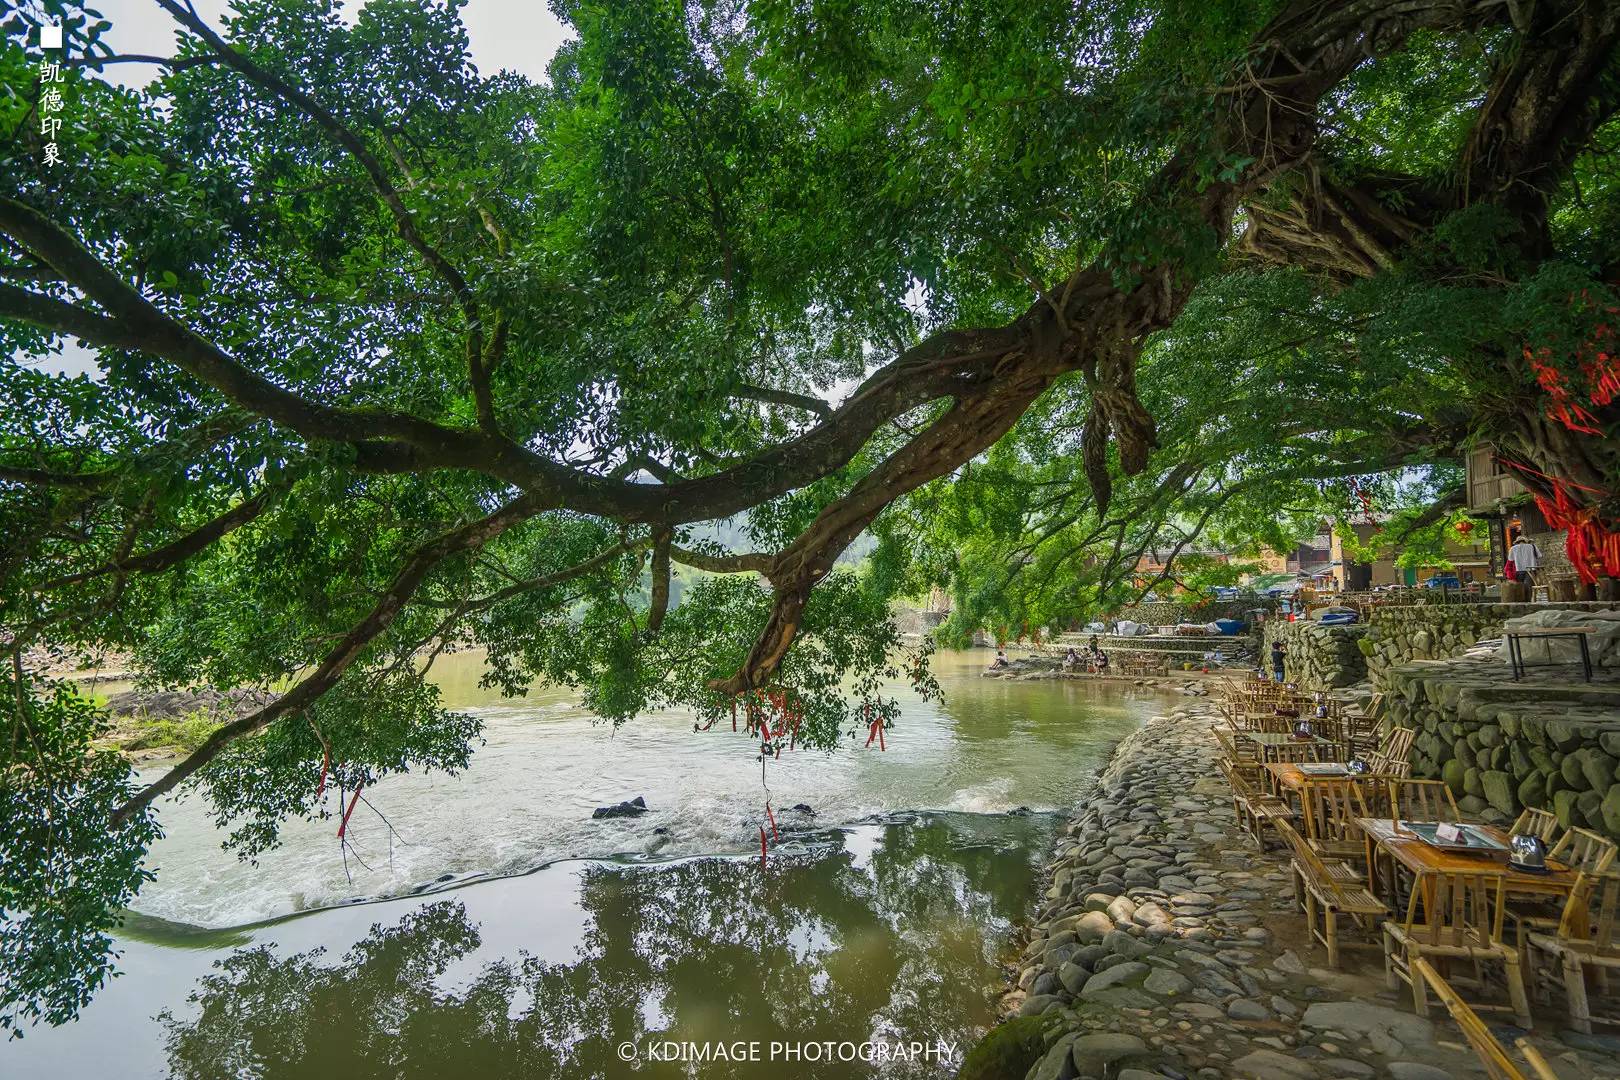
1488 481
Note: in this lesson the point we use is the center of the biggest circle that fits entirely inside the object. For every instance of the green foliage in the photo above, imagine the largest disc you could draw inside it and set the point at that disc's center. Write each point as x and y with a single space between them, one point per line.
66 874
184 732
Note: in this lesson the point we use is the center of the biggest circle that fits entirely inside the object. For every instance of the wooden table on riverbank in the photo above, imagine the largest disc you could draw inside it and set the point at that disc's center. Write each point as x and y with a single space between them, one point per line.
1425 862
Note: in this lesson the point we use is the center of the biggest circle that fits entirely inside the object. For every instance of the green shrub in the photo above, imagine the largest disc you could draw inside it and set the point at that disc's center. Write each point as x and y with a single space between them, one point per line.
186 732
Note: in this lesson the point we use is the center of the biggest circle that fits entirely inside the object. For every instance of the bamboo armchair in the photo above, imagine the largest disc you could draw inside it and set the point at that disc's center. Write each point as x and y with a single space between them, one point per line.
1394 753
1464 923
1295 752
1255 810
1235 750
1586 939
1538 823
1332 888
1491 1054
1581 850
1422 800
1331 808
1585 850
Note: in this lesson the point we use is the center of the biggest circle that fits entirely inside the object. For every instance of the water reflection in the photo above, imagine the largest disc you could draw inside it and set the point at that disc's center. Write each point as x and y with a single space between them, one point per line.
891 933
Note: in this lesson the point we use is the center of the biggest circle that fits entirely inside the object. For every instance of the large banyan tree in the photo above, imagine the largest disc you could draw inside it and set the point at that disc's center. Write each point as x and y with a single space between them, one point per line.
394 356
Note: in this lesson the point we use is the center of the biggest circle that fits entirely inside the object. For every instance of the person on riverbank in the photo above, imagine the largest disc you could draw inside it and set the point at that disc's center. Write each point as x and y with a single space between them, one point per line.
1102 662
1278 654
1071 659
1000 661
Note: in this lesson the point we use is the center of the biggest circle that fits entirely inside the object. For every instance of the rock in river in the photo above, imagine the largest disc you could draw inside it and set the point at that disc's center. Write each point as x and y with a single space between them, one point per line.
632 808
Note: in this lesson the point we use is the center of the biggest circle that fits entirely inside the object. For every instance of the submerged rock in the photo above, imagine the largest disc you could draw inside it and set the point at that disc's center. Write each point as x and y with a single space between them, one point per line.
633 808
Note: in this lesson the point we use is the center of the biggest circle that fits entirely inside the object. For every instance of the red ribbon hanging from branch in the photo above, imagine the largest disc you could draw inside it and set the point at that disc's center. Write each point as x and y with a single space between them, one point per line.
1593 550
874 728
343 825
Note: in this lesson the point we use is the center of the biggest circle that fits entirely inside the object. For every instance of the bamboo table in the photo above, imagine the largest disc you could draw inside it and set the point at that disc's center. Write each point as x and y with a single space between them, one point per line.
1425 861
1288 776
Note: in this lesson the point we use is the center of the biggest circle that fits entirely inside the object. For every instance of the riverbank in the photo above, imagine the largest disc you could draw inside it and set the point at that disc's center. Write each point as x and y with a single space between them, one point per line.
1168 946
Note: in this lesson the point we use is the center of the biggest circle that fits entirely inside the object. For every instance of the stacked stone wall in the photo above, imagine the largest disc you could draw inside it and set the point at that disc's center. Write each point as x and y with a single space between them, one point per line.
1317 657
1400 635
1502 747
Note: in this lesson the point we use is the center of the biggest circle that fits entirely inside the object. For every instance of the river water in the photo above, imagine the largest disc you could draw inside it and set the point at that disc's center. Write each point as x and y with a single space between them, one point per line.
545 941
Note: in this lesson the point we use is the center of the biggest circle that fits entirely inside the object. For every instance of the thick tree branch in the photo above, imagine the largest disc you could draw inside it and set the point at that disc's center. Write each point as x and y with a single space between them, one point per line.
173 63
784 397
63 318
659 606
745 563
17 474
177 551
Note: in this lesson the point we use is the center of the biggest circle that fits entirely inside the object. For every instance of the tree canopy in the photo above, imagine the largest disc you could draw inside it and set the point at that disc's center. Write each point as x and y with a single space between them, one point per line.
395 355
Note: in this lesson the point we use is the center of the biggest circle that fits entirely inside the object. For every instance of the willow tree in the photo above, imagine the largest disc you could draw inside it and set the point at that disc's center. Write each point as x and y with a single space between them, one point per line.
394 354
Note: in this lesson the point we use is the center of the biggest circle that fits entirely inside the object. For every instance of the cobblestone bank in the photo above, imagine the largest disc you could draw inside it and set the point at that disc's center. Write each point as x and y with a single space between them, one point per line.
1167 946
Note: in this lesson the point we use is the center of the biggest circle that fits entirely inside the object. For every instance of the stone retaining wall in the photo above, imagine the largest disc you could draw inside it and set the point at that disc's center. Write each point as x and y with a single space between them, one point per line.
1552 743
1319 657
1400 635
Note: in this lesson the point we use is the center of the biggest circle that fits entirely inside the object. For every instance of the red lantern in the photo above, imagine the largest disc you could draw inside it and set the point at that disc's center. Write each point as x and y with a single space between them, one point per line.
1464 528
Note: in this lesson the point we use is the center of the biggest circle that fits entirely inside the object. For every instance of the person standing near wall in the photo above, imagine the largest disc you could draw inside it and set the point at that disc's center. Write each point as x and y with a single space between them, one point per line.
1526 559
1278 652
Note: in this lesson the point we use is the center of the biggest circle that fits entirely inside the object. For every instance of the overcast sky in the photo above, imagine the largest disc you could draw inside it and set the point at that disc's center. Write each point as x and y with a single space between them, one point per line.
512 35
515 35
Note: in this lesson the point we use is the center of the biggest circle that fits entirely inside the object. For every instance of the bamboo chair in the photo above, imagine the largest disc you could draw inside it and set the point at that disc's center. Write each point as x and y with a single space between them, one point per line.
1331 809
1361 732
1235 749
1254 808
1422 800
1375 793
1331 887
1538 823
1464 921
1585 851
1390 770
1372 711
1268 723
1393 754
1492 1055
1293 752
1581 850
1586 937
1334 730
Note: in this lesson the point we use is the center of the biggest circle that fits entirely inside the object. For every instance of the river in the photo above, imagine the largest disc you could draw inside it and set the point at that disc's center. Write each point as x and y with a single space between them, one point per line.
506 933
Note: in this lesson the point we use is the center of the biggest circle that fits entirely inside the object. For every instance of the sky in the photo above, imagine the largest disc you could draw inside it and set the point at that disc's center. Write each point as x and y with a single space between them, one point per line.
515 35
506 35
